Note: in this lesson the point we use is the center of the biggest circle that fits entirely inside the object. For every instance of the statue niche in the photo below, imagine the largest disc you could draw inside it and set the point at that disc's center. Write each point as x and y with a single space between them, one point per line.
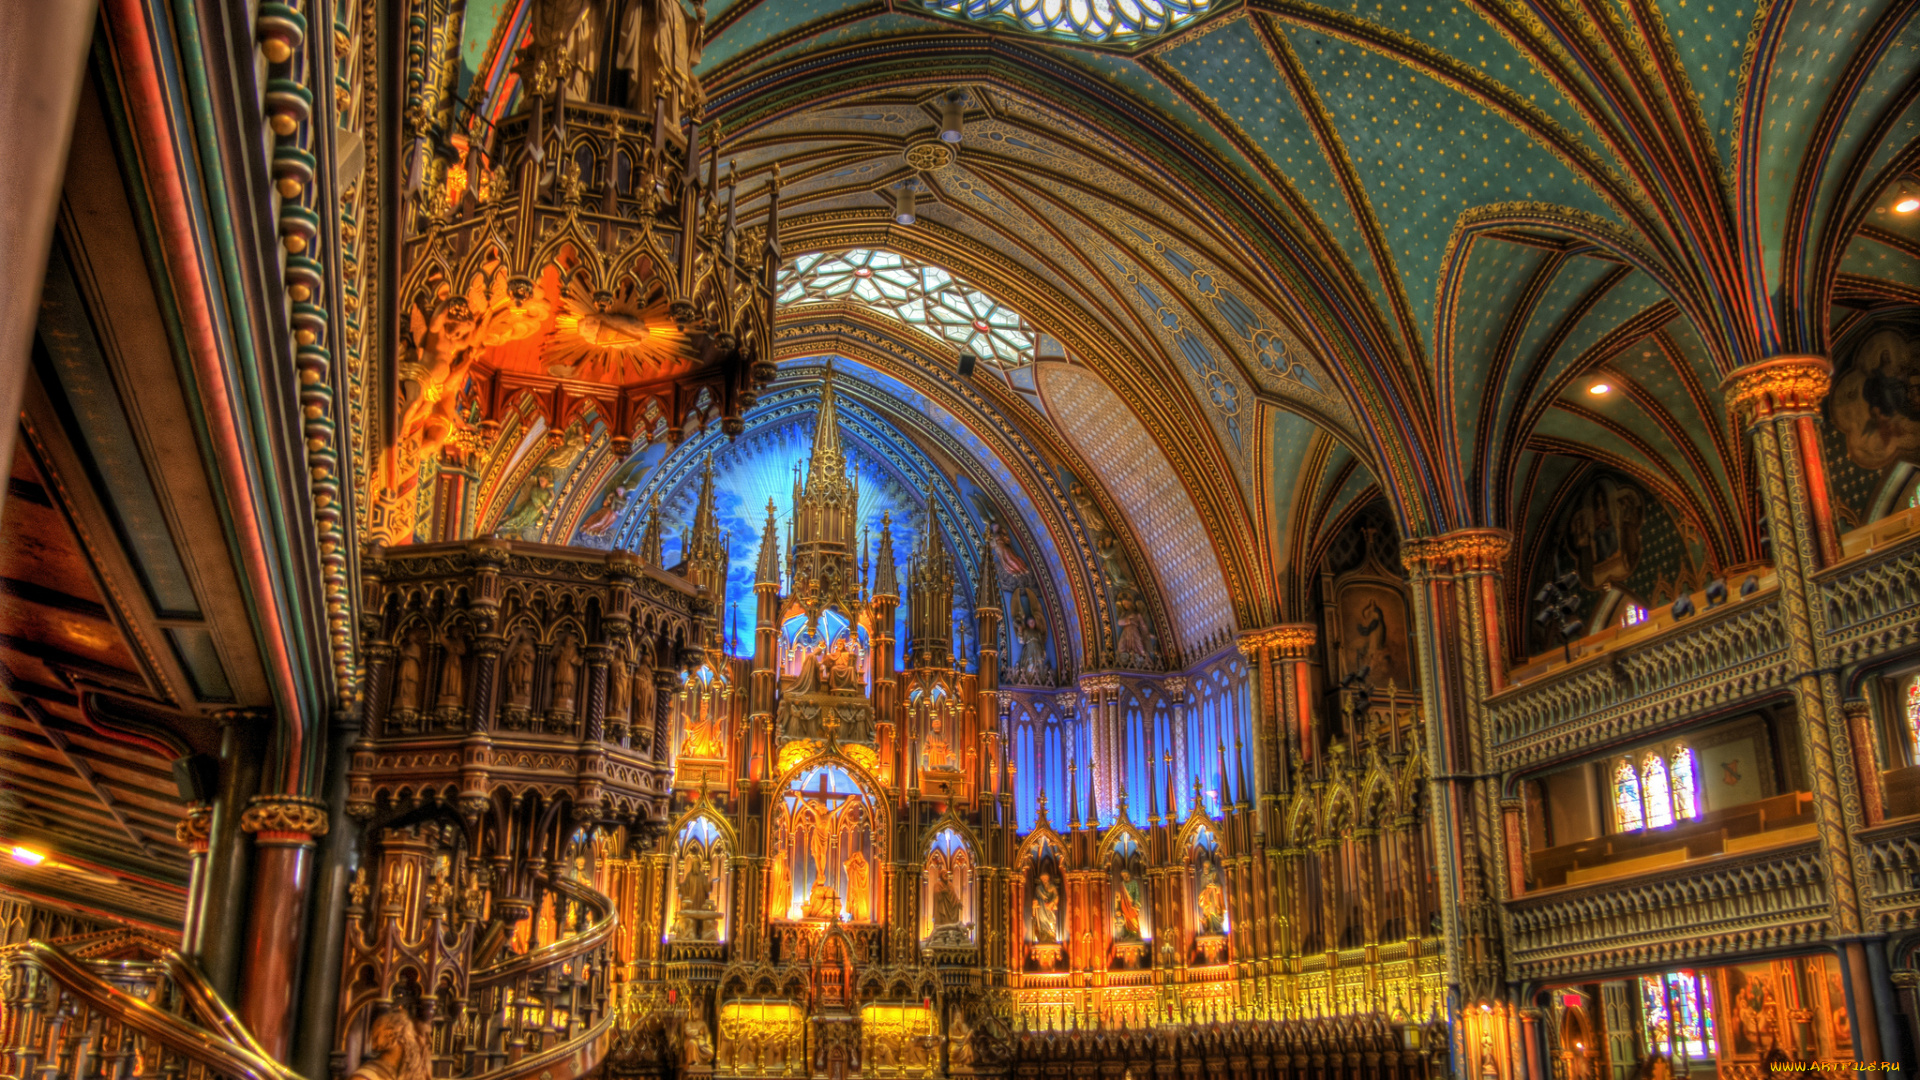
1130 928
703 880
947 891
1046 921
824 663
1207 897
828 847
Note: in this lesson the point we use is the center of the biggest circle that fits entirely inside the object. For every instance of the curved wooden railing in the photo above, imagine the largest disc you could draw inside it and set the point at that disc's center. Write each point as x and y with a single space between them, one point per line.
66 1017
550 1011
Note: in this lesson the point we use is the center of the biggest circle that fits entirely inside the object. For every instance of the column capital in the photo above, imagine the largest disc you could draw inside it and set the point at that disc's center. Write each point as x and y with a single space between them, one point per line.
1781 386
196 829
1462 550
284 818
1288 641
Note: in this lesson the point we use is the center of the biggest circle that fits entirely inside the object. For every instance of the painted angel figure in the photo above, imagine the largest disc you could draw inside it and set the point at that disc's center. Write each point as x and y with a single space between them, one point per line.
601 520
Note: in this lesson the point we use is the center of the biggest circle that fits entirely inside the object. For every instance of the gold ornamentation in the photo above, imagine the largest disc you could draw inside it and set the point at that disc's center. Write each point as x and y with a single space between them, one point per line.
1462 551
929 155
1290 641
285 816
196 829
1782 386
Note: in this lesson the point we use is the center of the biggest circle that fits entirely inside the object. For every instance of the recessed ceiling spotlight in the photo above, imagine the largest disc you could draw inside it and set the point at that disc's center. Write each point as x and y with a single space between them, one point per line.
904 200
953 118
28 856
1600 388
1907 205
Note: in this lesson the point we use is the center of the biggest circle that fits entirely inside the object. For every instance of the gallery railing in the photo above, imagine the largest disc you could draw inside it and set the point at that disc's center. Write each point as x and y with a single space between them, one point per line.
1707 907
67 1017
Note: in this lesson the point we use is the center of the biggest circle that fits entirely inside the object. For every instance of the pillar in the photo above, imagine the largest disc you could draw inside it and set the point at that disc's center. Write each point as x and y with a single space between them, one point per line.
1456 582
284 828
1777 402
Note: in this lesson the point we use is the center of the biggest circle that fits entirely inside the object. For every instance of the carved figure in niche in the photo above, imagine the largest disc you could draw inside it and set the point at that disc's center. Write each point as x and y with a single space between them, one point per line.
1126 908
843 666
780 881
1030 633
439 891
520 674
696 887
696 1041
859 886
397 1049
566 674
959 1040
1045 910
528 507
453 672
406 683
1212 900
1876 400
619 686
601 520
1133 644
946 900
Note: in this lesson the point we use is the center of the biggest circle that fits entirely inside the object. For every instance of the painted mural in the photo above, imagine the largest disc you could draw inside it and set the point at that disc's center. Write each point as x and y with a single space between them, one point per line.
1875 401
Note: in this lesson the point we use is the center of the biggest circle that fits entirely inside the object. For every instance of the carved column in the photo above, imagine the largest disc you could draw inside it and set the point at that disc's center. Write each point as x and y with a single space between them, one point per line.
665 684
195 831
1777 401
487 650
1866 763
594 725
1456 580
284 828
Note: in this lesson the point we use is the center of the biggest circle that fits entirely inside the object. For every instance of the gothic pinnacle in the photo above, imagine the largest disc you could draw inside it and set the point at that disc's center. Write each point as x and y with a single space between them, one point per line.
768 572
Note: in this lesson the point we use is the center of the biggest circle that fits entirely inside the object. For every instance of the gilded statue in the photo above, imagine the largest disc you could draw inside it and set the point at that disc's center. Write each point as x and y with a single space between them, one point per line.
520 674
1212 901
696 1042
696 886
1046 910
453 681
779 882
397 1049
959 1040
1126 908
406 684
859 886
566 674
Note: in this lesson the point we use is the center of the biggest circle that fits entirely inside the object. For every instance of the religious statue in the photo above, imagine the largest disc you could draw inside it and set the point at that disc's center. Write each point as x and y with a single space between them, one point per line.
859 884
520 674
601 520
946 900
1212 900
1126 908
1046 910
396 1049
696 1041
566 674
656 40
959 1040
779 882
696 896
619 686
439 891
704 736
1130 626
406 684
1011 566
453 683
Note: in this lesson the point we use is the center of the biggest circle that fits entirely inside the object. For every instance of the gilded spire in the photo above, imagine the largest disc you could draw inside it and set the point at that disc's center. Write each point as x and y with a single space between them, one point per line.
886 581
827 468
651 540
769 570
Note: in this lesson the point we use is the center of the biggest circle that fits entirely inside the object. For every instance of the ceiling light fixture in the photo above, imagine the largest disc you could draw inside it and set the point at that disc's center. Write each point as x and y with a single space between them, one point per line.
1907 205
904 198
953 118
28 856
1600 388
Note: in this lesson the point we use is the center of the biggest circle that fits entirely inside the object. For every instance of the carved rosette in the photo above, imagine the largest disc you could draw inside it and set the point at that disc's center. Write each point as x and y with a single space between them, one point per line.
1782 386
284 819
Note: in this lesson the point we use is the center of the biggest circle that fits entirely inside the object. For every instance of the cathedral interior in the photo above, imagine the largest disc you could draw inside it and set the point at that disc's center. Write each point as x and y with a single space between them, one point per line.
959 539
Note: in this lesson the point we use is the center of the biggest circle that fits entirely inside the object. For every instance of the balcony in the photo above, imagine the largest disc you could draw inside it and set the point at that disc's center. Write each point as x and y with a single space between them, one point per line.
1703 908
1890 892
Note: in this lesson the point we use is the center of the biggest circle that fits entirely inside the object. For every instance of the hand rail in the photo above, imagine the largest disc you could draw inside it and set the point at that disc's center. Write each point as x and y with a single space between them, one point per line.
554 952
193 985
552 1063
50 996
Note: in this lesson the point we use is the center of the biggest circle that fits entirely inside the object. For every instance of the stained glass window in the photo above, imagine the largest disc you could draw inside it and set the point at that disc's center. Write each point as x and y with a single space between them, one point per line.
1682 1000
1656 791
1626 797
1686 799
916 294
1091 20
